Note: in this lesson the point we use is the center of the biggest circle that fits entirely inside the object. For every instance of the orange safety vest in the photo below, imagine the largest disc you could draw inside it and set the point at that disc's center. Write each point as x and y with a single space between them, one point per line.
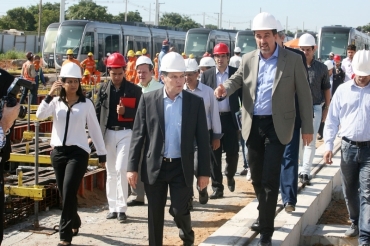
131 70
89 65
85 80
25 74
156 68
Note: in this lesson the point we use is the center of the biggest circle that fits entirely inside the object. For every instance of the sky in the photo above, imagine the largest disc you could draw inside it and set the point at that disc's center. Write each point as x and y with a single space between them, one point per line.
310 15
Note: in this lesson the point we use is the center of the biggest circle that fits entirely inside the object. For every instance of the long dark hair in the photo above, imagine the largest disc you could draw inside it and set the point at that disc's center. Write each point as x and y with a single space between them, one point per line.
63 94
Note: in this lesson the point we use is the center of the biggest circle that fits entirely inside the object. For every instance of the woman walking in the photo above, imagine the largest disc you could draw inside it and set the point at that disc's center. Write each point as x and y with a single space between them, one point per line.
71 112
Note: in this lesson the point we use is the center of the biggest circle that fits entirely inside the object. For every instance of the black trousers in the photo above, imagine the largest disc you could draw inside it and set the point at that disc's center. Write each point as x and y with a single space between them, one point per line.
2 197
230 144
172 176
69 163
265 153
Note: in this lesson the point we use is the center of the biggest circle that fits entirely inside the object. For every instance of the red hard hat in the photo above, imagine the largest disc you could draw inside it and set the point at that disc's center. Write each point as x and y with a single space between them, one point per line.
116 60
206 54
221 48
337 58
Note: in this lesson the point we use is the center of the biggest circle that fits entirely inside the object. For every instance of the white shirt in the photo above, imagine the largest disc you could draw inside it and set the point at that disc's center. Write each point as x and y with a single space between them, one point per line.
224 105
349 109
235 61
152 86
80 115
211 107
347 68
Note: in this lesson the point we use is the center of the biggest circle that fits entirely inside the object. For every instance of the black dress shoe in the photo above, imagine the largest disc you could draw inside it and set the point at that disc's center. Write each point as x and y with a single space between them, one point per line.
256 225
231 184
203 196
135 203
244 172
264 241
121 217
112 215
216 194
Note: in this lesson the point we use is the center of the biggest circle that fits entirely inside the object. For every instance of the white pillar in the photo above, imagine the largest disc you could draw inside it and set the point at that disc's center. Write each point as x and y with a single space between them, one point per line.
62 9
220 25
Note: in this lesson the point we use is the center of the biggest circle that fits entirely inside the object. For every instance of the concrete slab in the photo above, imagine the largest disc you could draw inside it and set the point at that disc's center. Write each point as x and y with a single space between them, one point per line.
326 234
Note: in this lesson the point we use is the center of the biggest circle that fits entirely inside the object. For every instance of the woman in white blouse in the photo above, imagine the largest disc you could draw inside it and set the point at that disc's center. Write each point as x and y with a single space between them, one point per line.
71 112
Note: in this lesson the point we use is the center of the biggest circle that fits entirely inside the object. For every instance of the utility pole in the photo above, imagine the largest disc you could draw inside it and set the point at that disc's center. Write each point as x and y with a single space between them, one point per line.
150 11
303 27
204 19
156 19
218 20
260 9
126 11
220 15
250 24
61 9
286 25
159 4
39 34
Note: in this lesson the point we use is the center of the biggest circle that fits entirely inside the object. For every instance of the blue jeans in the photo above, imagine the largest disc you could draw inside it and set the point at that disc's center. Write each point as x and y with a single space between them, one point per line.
245 152
289 170
355 173
33 95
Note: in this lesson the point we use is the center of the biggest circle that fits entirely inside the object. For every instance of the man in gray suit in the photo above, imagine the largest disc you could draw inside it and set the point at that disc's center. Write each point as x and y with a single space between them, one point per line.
269 77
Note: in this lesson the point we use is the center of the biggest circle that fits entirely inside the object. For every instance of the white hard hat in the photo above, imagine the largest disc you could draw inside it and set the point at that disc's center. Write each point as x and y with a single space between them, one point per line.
173 62
264 21
207 62
143 60
237 50
361 63
329 64
279 26
191 65
306 40
70 70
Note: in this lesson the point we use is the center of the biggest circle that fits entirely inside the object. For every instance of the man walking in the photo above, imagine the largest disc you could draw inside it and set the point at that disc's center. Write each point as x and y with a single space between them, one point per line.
347 63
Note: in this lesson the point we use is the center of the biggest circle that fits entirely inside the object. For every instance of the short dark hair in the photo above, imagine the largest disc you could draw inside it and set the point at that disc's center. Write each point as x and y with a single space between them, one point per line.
150 66
237 53
351 47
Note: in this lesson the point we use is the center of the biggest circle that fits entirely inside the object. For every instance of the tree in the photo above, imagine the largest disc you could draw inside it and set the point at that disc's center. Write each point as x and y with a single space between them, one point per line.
90 11
212 27
18 18
131 17
176 20
50 14
289 33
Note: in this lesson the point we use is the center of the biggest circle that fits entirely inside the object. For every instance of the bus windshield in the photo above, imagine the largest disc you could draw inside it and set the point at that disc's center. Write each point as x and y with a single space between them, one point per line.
246 43
196 44
69 37
49 40
333 42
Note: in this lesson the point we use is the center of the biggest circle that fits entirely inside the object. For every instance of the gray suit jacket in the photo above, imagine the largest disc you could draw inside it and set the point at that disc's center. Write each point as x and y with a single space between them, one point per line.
290 78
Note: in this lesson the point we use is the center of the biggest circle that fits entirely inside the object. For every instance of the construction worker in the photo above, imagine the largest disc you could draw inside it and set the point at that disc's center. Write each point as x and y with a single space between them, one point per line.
184 55
165 48
156 66
29 73
191 56
89 63
86 78
144 52
70 58
206 63
130 69
138 54
236 59
207 54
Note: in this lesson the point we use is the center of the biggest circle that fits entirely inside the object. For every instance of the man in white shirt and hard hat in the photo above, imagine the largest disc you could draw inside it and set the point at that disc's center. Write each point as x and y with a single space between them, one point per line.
236 59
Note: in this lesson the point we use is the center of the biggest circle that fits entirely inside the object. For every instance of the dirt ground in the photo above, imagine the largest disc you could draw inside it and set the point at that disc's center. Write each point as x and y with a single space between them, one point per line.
336 213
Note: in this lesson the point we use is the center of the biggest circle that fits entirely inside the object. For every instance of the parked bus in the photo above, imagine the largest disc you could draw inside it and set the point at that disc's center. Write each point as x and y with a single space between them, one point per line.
245 41
49 45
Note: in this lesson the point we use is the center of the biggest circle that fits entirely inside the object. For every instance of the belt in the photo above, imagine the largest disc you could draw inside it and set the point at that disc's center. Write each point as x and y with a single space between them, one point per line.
358 144
165 159
224 113
262 116
118 128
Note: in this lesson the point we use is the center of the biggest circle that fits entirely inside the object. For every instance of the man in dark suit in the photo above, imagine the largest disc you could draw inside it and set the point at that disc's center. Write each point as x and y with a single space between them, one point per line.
167 124
228 107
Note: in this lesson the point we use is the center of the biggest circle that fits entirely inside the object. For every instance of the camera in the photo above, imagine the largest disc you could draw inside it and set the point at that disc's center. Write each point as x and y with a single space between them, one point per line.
11 96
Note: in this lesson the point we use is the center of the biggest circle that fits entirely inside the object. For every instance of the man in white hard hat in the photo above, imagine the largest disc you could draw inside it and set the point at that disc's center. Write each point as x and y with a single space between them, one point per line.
320 91
144 70
167 123
349 109
236 59
289 164
347 62
269 76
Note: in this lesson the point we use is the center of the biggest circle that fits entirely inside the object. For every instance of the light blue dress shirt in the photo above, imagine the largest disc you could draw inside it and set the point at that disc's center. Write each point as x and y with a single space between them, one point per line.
224 105
172 121
265 81
349 109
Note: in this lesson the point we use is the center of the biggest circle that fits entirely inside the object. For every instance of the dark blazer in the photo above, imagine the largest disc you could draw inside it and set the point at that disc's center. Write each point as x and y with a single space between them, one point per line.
102 102
149 125
209 78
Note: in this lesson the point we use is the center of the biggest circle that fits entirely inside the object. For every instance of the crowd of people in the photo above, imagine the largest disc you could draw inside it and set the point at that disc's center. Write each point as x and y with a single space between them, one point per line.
158 124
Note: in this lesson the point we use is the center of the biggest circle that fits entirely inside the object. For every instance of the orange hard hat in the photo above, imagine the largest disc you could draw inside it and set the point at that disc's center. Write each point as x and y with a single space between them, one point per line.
116 60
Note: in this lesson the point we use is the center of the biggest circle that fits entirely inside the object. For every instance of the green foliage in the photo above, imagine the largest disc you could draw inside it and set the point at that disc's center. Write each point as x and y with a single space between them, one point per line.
90 11
12 54
177 20
131 17
289 33
18 18
212 27
364 29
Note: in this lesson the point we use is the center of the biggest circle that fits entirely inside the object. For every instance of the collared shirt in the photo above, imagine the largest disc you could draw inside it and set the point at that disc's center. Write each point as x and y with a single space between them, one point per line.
347 68
224 105
152 86
211 106
318 77
349 109
265 81
172 121
235 61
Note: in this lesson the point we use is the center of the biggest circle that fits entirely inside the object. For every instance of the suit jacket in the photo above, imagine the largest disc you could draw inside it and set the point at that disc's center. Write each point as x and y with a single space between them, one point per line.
149 131
290 78
209 78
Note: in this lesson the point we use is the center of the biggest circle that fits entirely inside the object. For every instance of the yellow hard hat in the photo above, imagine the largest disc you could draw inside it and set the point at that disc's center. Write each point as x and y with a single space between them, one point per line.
183 54
138 53
70 52
90 54
130 53
191 56
143 51
86 72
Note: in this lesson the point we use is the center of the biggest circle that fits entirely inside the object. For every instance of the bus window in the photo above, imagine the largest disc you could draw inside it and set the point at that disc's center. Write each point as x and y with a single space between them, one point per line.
115 43
101 52
88 43
138 46
108 43
211 46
